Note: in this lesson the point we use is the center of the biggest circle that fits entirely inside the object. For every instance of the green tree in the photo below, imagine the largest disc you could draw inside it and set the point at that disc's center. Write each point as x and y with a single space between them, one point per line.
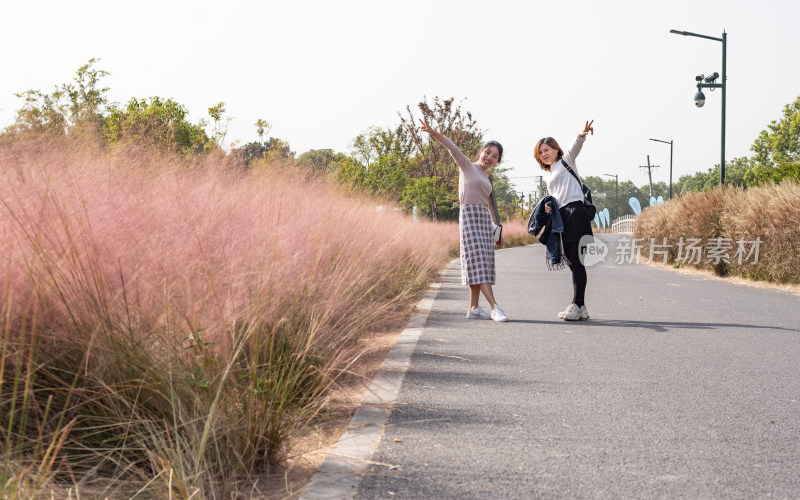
380 162
606 194
509 202
155 121
220 122
736 171
736 174
87 101
266 150
40 113
78 105
433 161
602 192
432 197
362 147
350 173
388 173
777 149
270 149
321 161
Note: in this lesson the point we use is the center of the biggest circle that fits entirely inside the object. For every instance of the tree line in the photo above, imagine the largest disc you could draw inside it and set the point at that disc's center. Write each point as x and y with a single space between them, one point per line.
394 163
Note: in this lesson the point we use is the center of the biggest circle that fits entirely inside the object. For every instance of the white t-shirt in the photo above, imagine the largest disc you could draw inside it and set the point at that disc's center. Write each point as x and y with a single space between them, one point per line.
560 183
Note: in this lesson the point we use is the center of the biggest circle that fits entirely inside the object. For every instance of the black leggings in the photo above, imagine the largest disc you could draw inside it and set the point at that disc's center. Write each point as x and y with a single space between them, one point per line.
578 272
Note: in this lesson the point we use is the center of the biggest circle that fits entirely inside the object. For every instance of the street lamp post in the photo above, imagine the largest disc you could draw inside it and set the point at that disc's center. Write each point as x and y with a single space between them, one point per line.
616 192
670 163
711 85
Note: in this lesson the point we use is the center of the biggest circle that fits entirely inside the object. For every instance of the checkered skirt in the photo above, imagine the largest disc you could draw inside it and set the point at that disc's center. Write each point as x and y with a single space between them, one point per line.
477 245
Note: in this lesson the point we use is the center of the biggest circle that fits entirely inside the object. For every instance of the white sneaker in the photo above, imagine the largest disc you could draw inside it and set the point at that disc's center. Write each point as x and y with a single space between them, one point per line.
478 313
583 317
573 313
498 314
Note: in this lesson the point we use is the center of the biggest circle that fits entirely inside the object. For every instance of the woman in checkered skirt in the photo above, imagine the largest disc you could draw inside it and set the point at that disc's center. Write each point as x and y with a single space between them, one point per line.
475 223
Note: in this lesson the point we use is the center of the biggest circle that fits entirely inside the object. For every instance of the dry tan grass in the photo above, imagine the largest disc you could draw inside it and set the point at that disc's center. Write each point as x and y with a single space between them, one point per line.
515 234
770 214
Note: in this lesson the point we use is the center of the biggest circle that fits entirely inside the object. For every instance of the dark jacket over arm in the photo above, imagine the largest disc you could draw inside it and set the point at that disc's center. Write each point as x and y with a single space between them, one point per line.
553 230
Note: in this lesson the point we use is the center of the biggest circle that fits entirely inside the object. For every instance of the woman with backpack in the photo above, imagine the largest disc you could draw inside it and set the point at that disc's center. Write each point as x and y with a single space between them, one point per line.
565 186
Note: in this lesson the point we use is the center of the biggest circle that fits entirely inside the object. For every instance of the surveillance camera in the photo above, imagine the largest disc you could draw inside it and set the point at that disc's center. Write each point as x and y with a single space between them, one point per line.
699 99
713 76
699 78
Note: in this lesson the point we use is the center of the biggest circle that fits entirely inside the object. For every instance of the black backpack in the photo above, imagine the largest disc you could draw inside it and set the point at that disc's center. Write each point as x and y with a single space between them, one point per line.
587 193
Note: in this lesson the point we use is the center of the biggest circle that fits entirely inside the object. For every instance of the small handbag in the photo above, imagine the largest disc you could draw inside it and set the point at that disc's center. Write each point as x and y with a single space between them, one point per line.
587 193
497 228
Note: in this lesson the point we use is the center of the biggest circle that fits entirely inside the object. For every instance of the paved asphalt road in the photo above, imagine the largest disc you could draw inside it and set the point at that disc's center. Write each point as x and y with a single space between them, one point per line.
678 387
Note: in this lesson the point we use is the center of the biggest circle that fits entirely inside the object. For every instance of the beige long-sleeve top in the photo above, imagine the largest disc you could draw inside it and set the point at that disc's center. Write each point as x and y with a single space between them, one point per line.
473 182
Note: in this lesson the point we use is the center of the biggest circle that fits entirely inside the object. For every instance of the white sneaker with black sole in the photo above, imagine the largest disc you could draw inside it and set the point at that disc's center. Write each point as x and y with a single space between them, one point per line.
478 313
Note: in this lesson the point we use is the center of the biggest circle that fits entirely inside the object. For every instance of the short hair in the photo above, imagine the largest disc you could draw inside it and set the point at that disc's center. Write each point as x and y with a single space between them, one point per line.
553 144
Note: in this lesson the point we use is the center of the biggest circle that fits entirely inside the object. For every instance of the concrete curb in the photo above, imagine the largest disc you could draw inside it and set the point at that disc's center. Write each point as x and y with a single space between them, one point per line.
340 474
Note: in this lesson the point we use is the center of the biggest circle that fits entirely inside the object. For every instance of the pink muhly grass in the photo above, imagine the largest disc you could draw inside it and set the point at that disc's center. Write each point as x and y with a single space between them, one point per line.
195 280
206 240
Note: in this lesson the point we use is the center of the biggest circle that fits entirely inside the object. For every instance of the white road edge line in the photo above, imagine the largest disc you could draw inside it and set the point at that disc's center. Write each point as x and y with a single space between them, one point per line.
340 473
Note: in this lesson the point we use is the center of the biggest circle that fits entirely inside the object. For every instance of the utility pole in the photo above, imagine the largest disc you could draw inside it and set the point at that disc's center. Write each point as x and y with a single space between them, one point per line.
649 172
616 191
537 180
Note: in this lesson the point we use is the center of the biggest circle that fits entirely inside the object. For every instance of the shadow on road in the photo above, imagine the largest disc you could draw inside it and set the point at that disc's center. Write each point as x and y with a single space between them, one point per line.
656 326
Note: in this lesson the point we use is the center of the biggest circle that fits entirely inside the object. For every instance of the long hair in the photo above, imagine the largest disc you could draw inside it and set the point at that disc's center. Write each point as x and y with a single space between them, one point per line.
497 145
553 144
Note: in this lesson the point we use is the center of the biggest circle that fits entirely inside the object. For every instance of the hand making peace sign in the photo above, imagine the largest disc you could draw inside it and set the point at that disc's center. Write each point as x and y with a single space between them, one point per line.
588 128
425 127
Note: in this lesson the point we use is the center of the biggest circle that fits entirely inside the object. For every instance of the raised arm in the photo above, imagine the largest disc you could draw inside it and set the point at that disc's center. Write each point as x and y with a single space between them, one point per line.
461 159
573 152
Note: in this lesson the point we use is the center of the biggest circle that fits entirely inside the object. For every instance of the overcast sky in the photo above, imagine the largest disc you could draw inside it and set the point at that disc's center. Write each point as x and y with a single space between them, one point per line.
321 72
